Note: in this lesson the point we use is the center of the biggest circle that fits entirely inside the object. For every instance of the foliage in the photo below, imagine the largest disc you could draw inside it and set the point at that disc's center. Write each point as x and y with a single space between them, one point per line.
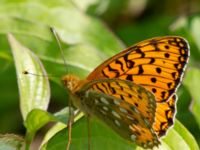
27 43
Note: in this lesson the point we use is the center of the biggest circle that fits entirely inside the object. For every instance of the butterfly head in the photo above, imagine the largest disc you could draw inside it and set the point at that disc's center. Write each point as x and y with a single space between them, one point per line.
70 81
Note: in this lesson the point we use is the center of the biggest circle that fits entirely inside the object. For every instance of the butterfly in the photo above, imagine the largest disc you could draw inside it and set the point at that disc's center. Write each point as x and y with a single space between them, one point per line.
134 92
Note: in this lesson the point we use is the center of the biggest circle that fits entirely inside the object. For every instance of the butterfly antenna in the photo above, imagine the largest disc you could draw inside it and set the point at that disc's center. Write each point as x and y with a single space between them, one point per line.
70 120
25 72
60 47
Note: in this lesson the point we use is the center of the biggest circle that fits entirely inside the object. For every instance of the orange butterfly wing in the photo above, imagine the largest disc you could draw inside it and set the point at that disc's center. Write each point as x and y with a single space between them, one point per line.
158 65
116 103
134 95
165 113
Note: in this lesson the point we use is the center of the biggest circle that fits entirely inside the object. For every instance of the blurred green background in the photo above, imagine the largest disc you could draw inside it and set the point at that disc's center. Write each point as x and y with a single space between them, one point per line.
92 31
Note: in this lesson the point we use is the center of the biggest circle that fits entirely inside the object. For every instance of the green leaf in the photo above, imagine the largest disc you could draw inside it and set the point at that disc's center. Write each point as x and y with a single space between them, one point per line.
195 23
11 142
82 32
101 137
34 90
104 138
54 130
191 82
180 138
63 115
59 126
97 7
132 34
188 27
37 118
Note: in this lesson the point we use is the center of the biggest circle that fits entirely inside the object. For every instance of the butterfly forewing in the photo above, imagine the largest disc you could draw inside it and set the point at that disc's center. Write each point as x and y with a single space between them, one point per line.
108 100
165 113
157 64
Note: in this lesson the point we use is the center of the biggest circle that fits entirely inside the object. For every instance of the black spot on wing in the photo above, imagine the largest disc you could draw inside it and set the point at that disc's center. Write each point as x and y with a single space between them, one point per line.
153 80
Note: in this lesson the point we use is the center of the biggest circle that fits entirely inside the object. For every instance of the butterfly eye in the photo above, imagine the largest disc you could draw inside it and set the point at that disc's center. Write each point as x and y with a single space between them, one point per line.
70 81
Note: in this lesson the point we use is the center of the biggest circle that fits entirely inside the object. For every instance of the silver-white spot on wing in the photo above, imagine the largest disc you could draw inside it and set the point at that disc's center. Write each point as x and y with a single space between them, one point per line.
105 108
103 100
117 102
103 112
116 114
96 101
133 137
146 122
117 123
123 110
129 117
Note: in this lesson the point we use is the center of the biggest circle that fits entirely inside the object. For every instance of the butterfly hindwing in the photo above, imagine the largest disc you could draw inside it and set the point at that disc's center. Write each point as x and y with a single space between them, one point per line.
127 119
131 93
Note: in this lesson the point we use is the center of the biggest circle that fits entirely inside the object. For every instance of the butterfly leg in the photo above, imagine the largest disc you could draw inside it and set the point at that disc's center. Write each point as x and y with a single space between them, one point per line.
89 131
69 125
69 134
